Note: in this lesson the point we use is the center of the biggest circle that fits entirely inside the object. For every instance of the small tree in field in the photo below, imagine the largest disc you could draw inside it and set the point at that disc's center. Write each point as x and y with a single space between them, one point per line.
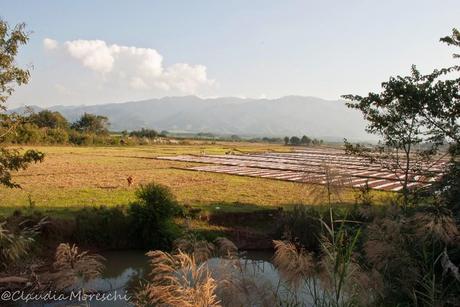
286 140
11 76
92 123
294 140
305 140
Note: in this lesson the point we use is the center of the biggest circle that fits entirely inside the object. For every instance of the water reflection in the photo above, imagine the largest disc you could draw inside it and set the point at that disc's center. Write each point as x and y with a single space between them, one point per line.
125 270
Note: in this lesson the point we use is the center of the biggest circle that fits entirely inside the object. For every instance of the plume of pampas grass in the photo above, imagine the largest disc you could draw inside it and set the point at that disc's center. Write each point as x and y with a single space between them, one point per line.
200 249
15 245
437 223
74 267
12 246
294 264
226 248
385 243
203 250
178 280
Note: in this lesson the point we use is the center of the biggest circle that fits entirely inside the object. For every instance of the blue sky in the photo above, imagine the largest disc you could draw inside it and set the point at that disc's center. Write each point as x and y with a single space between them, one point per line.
114 51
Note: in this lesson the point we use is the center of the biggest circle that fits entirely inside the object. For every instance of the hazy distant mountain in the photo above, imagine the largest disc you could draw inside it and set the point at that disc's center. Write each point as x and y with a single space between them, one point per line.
290 115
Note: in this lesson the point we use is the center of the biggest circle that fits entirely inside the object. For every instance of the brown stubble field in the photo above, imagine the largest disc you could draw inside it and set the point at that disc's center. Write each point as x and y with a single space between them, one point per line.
75 177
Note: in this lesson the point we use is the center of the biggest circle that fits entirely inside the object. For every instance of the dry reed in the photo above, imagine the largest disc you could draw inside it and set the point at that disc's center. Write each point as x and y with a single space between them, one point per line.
178 280
295 264
74 267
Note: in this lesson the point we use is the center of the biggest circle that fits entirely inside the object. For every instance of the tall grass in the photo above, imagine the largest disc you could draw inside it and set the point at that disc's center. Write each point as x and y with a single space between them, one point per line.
15 245
184 279
74 268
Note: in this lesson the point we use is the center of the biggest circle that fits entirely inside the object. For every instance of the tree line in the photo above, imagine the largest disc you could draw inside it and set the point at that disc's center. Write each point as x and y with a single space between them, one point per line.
51 127
304 140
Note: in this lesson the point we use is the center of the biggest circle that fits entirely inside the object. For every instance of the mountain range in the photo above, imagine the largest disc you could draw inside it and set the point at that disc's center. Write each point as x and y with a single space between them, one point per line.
289 115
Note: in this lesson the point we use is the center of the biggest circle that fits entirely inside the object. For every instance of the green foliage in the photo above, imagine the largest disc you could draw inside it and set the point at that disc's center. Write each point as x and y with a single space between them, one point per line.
274 140
152 214
145 133
411 110
11 75
302 224
453 40
286 140
103 227
48 119
449 188
304 140
92 123
294 140
394 115
338 246
56 136
14 160
48 127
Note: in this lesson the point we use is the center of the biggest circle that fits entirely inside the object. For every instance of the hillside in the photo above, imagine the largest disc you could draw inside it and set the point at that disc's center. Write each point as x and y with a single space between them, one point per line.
290 115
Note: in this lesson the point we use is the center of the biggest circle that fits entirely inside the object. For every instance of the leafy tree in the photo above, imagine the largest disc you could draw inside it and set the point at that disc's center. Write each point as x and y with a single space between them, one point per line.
10 76
92 123
49 119
444 114
442 111
235 137
305 140
286 140
395 115
294 140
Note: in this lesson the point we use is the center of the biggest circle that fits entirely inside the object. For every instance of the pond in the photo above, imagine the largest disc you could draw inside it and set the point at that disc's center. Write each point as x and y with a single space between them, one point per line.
125 270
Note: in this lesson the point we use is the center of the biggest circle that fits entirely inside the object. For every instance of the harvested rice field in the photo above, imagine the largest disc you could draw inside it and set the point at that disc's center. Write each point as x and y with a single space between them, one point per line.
76 177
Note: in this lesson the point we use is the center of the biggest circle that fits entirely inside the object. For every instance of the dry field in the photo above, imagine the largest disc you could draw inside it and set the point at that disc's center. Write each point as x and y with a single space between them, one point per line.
74 177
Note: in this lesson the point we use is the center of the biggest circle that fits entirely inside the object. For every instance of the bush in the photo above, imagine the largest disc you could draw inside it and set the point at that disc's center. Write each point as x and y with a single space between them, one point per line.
78 138
28 134
103 227
152 217
56 136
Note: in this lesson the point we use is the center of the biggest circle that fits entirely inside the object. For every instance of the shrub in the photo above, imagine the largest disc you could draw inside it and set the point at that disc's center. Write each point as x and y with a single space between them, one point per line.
56 136
103 227
151 217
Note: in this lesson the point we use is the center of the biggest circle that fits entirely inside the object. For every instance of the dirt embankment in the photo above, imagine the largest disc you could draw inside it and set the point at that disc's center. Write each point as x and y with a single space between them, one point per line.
248 230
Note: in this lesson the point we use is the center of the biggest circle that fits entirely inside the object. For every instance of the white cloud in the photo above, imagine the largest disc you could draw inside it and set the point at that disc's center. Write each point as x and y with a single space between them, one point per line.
95 54
50 44
138 68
